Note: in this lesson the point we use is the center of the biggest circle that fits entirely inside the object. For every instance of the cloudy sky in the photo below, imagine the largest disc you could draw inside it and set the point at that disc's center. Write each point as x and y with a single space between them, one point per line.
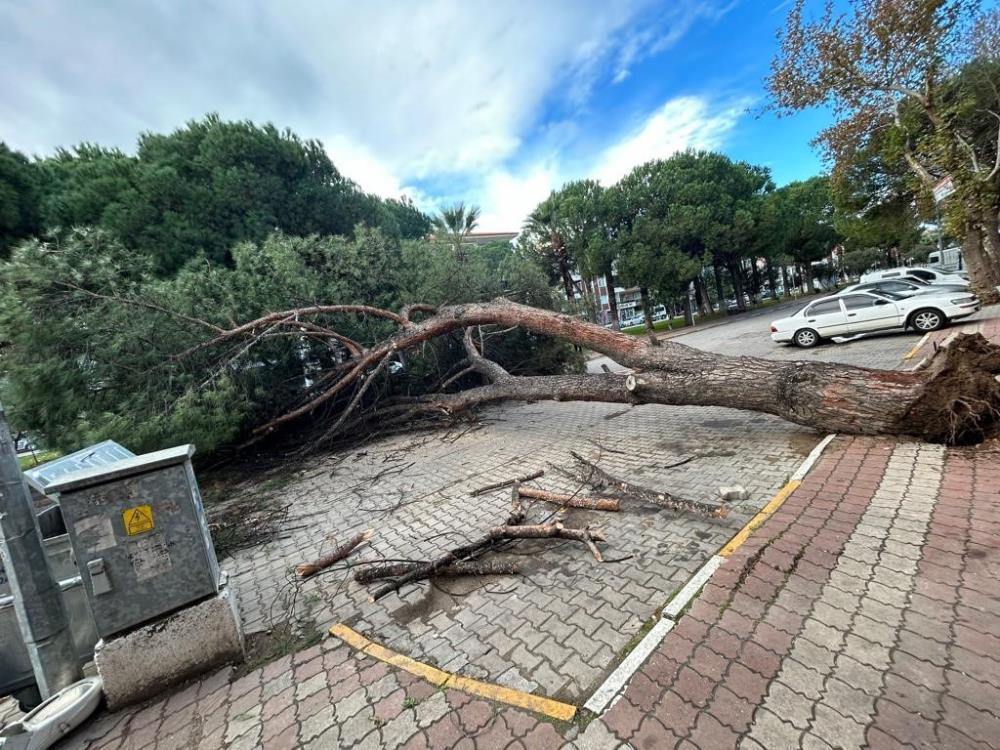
495 102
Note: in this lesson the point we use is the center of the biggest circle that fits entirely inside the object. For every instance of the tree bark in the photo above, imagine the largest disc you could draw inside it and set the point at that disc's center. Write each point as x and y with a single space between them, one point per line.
955 398
571 501
647 312
718 284
736 273
609 281
981 249
772 279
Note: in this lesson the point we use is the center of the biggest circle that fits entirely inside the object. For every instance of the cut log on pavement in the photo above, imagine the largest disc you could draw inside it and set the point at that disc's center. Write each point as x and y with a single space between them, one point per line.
306 570
572 501
542 531
393 570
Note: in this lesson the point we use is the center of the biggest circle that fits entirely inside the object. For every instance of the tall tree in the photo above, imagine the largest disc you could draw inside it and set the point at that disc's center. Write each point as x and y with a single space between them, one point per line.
207 186
544 236
654 253
807 223
456 223
908 68
19 196
592 214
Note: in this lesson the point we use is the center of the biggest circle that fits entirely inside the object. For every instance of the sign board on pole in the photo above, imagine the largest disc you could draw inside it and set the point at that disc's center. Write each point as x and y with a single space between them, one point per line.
943 189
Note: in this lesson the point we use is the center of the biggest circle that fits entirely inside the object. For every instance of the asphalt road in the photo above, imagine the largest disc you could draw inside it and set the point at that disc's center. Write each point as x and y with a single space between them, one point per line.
748 334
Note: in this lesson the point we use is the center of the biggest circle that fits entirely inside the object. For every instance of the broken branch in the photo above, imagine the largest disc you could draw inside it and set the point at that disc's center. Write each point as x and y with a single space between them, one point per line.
572 501
508 482
378 572
307 570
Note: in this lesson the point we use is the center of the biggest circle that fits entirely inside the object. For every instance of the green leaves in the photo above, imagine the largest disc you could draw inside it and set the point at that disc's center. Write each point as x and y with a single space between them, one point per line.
203 188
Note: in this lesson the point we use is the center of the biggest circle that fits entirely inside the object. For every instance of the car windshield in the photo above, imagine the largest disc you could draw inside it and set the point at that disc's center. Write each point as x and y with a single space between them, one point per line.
888 294
915 280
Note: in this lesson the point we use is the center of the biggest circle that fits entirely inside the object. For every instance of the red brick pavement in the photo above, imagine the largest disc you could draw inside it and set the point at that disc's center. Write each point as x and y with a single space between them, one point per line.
704 686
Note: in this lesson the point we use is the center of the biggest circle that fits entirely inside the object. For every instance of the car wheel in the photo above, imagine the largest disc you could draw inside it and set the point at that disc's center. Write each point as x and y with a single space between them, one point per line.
928 319
806 338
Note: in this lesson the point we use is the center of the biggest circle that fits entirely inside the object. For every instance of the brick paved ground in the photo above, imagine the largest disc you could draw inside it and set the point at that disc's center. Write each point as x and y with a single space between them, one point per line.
863 603
558 629
863 614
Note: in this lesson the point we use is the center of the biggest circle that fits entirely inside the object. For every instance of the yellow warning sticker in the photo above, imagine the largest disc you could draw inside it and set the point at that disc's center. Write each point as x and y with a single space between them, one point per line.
138 520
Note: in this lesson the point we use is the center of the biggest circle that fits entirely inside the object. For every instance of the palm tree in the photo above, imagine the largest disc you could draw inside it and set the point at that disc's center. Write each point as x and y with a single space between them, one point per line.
544 233
457 222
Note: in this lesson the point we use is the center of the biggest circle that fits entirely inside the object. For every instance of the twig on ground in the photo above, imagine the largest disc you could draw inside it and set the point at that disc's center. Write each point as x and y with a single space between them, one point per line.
508 482
307 570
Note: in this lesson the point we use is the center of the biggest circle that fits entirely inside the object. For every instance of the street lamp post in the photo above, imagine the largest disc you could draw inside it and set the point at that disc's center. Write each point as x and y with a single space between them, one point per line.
38 603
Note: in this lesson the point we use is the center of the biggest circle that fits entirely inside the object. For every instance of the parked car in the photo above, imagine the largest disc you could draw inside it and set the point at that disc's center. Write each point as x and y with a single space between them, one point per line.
949 260
733 305
864 312
930 275
905 287
635 320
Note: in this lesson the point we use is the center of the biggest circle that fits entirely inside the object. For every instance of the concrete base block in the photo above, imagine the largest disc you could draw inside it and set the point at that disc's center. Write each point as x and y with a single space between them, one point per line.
146 661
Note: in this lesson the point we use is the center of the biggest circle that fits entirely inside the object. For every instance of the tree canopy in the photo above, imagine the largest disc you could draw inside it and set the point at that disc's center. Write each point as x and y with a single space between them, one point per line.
98 346
205 187
915 79
19 186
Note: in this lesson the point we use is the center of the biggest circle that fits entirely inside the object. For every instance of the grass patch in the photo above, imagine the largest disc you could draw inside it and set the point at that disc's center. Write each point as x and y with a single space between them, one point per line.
36 459
282 640
637 638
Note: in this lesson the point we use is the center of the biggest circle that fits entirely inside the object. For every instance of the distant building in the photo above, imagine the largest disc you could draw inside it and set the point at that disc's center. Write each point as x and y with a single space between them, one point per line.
486 238
628 298
480 238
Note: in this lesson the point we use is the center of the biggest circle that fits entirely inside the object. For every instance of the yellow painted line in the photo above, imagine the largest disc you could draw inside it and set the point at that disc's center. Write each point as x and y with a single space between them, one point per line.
916 347
733 544
537 703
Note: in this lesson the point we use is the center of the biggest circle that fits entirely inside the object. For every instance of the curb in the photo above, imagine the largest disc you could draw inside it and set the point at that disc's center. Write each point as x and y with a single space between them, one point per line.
916 347
618 680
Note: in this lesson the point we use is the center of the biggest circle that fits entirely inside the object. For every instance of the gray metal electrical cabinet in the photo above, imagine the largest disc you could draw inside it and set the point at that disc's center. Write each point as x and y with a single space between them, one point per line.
140 537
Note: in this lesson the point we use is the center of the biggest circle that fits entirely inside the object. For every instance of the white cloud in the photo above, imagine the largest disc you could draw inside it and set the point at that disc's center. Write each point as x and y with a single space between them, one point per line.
448 91
681 123
508 198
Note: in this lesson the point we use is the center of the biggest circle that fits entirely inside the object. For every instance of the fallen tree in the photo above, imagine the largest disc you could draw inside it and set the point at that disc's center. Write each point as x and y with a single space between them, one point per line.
953 398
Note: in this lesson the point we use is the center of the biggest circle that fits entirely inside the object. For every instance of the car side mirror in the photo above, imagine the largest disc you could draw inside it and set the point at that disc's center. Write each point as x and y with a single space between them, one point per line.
881 302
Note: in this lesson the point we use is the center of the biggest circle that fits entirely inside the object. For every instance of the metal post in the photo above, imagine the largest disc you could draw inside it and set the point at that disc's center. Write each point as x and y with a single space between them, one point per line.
38 603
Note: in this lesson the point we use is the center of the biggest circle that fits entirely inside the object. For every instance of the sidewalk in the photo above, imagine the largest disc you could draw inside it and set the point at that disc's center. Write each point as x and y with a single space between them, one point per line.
863 613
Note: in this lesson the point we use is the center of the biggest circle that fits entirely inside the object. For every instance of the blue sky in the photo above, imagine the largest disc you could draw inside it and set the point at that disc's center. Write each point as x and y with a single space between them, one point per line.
496 103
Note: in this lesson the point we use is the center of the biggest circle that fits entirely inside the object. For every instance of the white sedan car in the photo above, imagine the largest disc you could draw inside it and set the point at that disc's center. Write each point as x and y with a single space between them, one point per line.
863 312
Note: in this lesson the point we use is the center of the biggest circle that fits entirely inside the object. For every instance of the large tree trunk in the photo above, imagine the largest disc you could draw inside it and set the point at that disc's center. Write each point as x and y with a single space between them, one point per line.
718 284
981 248
704 299
647 308
955 398
736 272
807 277
772 279
609 281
